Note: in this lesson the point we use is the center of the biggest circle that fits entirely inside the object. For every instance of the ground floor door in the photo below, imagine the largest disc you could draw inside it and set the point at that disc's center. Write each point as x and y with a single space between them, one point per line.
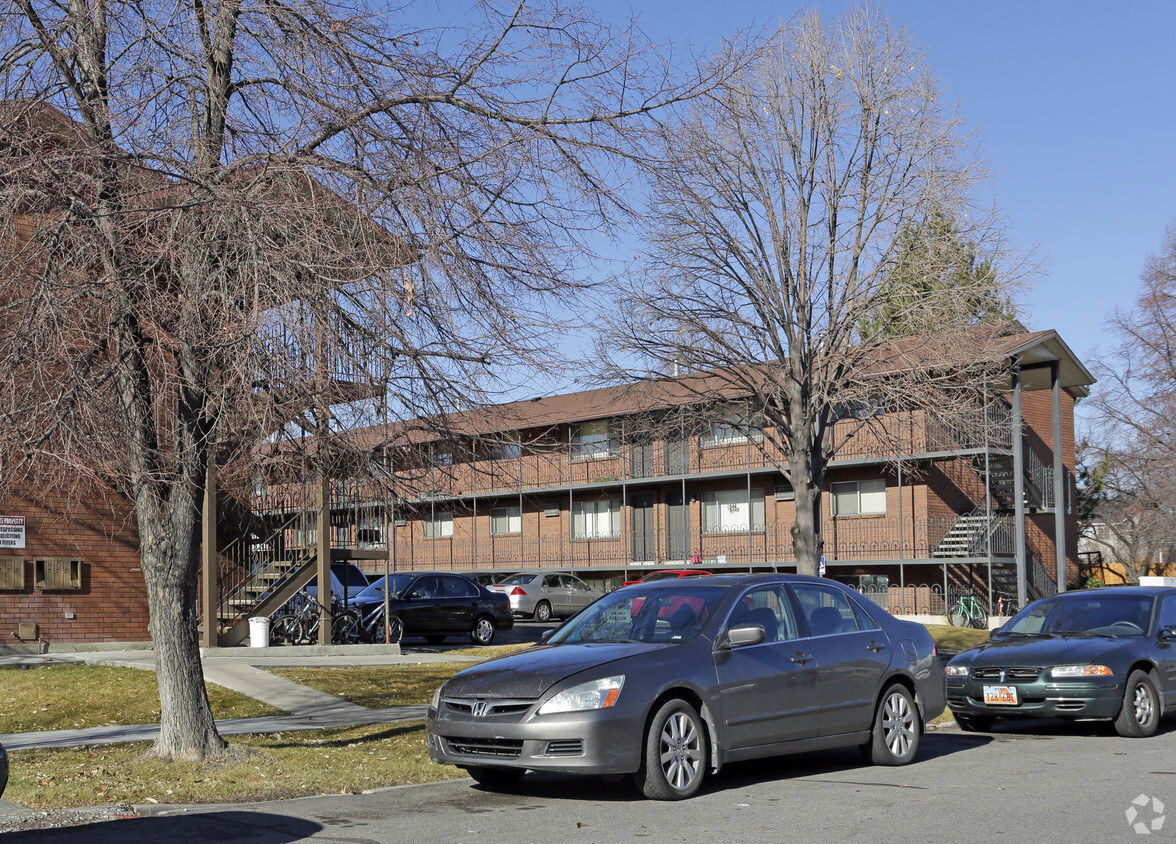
644 528
677 528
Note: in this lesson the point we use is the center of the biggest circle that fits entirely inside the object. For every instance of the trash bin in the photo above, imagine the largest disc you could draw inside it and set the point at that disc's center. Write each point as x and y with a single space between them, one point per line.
259 632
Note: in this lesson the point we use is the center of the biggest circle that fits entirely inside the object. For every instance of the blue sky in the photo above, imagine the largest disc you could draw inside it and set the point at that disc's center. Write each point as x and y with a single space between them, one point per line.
1075 103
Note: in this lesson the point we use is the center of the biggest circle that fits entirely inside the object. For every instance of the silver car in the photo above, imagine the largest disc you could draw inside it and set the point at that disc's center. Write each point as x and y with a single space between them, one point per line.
544 595
670 680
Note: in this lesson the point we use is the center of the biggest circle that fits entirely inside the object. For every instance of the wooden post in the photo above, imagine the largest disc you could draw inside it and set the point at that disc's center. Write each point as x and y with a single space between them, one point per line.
208 586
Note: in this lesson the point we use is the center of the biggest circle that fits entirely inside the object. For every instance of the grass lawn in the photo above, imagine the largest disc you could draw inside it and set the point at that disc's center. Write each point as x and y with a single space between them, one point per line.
956 638
68 697
262 767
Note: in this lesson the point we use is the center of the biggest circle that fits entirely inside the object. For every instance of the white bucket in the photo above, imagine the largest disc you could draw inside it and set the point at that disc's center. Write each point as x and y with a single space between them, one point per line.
259 632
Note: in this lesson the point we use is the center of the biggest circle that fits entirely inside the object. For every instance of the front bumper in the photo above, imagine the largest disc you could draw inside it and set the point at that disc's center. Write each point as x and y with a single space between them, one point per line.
1074 699
605 741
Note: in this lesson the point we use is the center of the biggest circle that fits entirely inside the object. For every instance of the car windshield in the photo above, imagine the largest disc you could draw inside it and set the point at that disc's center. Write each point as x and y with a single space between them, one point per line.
661 615
659 575
375 589
1101 615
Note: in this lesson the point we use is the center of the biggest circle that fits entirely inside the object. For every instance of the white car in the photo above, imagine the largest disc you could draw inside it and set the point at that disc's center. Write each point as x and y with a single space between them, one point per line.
544 595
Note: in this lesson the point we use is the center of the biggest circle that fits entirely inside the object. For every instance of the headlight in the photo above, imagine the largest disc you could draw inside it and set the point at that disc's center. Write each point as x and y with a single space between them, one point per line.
599 694
1080 671
436 704
956 671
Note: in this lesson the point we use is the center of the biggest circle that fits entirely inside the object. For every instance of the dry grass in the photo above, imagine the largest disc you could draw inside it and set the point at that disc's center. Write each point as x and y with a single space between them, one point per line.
70 697
376 686
956 638
262 767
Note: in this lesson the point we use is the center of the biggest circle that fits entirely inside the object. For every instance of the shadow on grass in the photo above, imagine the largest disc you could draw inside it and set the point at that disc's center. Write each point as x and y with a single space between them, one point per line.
254 827
390 733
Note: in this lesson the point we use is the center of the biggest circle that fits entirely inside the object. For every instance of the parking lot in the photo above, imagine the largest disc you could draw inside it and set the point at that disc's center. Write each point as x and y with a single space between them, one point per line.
1041 782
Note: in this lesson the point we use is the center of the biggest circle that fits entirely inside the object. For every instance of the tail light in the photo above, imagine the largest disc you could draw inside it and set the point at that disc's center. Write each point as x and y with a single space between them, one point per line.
518 592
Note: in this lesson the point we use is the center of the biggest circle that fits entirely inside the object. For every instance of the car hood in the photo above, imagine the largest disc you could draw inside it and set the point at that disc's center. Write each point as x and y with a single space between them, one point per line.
1060 650
529 674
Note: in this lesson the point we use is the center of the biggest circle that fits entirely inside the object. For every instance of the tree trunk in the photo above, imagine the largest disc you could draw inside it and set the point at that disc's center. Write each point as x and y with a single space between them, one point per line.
187 729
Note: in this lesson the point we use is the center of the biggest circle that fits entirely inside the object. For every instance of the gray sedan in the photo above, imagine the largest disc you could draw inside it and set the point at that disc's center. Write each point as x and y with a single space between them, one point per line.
673 679
544 595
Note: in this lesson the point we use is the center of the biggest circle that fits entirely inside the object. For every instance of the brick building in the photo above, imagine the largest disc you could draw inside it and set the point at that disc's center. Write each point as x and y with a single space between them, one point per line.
606 483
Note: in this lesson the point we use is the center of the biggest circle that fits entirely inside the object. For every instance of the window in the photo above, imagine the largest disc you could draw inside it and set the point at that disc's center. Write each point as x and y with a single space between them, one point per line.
457 587
506 520
593 440
439 526
828 611
441 456
730 511
508 448
768 607
854 498
369 532
596 519
734 425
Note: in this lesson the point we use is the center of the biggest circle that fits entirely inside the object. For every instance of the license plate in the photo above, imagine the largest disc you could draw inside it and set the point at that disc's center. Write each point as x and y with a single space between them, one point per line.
1001 695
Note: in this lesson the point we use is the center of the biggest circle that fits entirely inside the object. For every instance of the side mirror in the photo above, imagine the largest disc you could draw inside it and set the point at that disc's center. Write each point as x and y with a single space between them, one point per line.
742 635
1167 634
546 634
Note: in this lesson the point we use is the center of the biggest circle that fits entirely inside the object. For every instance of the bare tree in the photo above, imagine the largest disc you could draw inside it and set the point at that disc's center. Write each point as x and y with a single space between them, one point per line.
776 228
231 216
1131 446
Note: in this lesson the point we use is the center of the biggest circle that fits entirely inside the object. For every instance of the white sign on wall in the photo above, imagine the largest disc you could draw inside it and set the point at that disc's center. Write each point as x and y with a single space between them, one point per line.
12 531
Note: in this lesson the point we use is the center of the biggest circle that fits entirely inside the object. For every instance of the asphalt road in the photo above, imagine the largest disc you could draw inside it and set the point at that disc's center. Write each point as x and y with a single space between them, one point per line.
1044 782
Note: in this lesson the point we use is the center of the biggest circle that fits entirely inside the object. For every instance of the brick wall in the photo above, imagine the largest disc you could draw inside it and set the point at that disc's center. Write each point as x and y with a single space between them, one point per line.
88 524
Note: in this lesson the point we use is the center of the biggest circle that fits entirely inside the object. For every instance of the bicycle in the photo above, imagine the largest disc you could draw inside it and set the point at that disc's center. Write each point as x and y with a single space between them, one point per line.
968 612
301 626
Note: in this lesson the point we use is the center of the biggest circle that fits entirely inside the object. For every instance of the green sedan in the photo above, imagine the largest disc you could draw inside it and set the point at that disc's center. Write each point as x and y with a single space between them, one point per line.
1099 654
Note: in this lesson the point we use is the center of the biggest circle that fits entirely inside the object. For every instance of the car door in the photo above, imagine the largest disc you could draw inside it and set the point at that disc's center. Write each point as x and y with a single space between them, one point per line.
420 607
579 593
555 593
851 654
458 604
1166 651
768 693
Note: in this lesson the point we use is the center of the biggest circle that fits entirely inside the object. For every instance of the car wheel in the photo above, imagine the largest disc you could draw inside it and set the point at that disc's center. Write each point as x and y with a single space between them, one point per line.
957 616
543 612
675 753
483 632
287 630
974 723
395 629
1140 715
895 737
434 639
495 777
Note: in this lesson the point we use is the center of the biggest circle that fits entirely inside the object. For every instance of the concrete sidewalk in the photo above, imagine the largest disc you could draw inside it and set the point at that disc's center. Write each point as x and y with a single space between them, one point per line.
243 670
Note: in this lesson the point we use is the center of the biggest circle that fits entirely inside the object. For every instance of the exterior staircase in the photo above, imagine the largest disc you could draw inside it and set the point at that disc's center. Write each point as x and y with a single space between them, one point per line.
970 533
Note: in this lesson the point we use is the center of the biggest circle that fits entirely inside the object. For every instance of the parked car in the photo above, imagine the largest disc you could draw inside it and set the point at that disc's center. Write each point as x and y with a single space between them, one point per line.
435 605
347 581
666 574
1105 654
3 769
704 672
544 595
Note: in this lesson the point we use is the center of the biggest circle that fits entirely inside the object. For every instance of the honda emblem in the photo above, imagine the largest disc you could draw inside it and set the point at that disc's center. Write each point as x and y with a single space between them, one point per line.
479 709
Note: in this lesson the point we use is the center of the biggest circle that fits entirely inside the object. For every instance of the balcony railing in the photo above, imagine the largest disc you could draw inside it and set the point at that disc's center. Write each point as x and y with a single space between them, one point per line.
549 464
846 540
